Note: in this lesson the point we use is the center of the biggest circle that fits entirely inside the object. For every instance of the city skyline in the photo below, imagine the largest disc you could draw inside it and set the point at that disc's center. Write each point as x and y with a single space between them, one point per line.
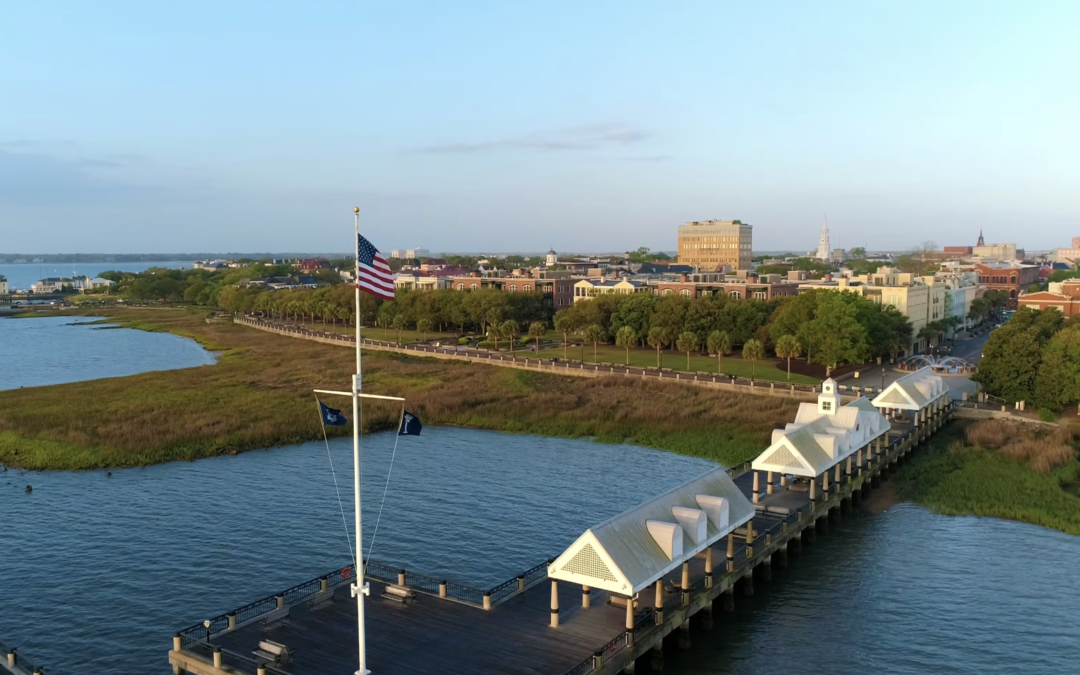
604 126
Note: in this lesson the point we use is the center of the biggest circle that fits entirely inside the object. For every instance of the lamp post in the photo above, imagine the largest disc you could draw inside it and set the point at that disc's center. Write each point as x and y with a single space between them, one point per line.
882 378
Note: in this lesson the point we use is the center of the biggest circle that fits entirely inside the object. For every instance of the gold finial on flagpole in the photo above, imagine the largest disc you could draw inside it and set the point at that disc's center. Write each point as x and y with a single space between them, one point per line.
356 209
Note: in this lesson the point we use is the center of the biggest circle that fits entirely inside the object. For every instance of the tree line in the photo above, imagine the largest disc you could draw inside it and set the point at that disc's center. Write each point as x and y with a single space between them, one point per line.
1035 358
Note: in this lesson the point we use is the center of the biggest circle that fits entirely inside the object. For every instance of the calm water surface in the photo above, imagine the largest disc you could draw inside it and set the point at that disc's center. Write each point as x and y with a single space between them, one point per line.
54 350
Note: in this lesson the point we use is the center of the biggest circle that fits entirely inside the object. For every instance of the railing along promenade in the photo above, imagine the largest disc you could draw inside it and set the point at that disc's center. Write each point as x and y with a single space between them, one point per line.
751 551
560 367
17 664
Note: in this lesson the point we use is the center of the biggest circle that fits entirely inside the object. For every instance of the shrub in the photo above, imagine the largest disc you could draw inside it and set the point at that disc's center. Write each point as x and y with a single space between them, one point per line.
1047 415
463 341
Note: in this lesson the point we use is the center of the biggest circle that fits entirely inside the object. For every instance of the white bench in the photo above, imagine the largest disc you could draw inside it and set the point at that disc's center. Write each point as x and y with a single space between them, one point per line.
399 594
273 652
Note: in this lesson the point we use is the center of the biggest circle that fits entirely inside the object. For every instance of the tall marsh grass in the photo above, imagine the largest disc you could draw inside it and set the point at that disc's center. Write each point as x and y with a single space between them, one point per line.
259 395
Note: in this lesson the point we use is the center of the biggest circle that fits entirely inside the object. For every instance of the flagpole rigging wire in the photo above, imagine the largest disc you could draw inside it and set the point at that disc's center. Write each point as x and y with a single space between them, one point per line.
386 487
341 507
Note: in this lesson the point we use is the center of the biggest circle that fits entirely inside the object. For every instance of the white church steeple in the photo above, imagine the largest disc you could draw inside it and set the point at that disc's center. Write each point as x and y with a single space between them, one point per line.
824 252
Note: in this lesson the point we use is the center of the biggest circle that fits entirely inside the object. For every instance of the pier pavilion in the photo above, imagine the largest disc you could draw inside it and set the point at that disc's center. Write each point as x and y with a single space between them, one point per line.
914 397
823 437
636 549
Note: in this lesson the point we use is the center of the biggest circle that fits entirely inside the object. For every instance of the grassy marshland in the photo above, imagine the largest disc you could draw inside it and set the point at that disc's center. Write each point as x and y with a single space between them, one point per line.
259 395
1000 469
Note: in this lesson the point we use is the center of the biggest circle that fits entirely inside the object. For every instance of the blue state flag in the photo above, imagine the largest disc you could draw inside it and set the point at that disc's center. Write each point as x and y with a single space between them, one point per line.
331 417
410 425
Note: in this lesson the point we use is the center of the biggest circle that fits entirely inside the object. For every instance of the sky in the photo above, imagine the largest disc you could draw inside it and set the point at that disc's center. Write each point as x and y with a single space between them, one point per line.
487 126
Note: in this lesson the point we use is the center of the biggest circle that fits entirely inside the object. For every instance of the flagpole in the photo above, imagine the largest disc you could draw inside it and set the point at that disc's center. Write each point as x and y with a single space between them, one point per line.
360 587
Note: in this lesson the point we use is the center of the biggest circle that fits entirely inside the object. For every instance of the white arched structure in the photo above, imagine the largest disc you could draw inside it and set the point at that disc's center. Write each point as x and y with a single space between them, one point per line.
915 391
630 552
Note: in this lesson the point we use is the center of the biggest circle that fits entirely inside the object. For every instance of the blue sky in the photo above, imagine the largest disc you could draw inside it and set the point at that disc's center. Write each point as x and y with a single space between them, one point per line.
514 126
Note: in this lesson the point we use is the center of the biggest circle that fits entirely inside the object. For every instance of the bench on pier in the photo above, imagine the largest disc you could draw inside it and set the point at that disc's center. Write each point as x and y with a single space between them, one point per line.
273 652
398 594
773 510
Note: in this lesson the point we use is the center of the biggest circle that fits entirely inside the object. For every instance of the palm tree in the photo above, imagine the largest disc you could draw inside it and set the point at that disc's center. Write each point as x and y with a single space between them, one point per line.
753 350
658 339
398 323
719 343
536 331
564 324
688 342
494 333
424 326
626 337
595 334
788 347
509 329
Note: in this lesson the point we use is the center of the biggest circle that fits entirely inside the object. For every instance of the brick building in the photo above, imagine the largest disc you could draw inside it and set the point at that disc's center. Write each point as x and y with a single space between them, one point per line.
742 287
1064 297
1012 278
558 293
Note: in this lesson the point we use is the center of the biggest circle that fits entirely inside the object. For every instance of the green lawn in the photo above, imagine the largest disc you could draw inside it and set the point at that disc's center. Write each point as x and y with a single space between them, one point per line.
766 369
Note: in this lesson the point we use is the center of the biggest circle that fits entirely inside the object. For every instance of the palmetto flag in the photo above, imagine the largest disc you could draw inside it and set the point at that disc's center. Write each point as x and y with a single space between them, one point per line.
331 417
410 425
373 273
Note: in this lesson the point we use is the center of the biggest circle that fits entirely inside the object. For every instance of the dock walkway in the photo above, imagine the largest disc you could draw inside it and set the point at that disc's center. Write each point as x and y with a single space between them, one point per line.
434 634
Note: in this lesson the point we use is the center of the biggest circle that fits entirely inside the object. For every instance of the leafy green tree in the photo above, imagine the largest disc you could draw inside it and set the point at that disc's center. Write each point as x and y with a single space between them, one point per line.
564 323
536 332
788 347
658 338
719 343
509 329
857 252
835 333
688 342
595 334
1010 363
753 350
1058 382
424 326
626 337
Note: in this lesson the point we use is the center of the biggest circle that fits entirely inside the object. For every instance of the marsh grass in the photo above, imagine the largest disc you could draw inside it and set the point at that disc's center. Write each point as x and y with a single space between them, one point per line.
999 469
259 394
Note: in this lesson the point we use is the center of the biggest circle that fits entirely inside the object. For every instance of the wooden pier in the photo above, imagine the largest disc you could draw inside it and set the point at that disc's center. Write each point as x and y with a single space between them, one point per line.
449 629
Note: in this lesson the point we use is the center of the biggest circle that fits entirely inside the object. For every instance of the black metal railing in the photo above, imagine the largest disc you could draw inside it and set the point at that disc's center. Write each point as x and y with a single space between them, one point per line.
20 660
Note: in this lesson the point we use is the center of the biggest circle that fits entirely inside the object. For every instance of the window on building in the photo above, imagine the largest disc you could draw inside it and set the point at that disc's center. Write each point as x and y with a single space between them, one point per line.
685 292
735 294
826 405
472 287
513 288
668 291
461 287
760 295
526 288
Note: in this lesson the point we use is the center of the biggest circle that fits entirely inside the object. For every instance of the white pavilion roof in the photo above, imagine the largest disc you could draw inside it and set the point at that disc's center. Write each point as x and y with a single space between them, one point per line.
913 391
817 441
635 548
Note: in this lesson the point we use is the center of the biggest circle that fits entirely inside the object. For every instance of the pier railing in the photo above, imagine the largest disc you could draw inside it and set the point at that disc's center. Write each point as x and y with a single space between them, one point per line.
197 638
12 658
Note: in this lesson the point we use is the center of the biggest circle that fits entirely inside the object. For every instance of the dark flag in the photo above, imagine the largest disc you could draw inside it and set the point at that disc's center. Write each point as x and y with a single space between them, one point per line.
331 417
410 425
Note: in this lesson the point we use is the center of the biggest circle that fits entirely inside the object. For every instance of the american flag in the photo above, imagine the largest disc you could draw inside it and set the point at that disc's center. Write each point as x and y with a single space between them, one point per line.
372 273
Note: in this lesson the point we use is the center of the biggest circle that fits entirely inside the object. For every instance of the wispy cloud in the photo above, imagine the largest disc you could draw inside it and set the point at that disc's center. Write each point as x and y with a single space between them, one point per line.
585 137
646 158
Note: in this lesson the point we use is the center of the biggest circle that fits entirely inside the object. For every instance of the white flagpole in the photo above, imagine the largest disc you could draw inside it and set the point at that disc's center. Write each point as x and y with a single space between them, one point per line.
360 587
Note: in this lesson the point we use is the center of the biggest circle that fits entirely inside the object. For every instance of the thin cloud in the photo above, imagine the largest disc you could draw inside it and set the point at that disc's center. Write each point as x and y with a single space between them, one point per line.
647 158
585 137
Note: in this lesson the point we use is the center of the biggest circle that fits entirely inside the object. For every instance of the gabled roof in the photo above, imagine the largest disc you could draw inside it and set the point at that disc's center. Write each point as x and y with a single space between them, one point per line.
914 391
631 551
816 441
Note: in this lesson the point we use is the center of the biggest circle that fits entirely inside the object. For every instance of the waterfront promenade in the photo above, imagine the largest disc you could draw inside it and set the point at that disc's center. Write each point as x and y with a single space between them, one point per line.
454 629
570 368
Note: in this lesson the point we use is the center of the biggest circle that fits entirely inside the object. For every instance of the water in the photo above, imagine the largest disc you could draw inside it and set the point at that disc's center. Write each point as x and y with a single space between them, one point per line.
21 276
98 572
54 350
908 592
